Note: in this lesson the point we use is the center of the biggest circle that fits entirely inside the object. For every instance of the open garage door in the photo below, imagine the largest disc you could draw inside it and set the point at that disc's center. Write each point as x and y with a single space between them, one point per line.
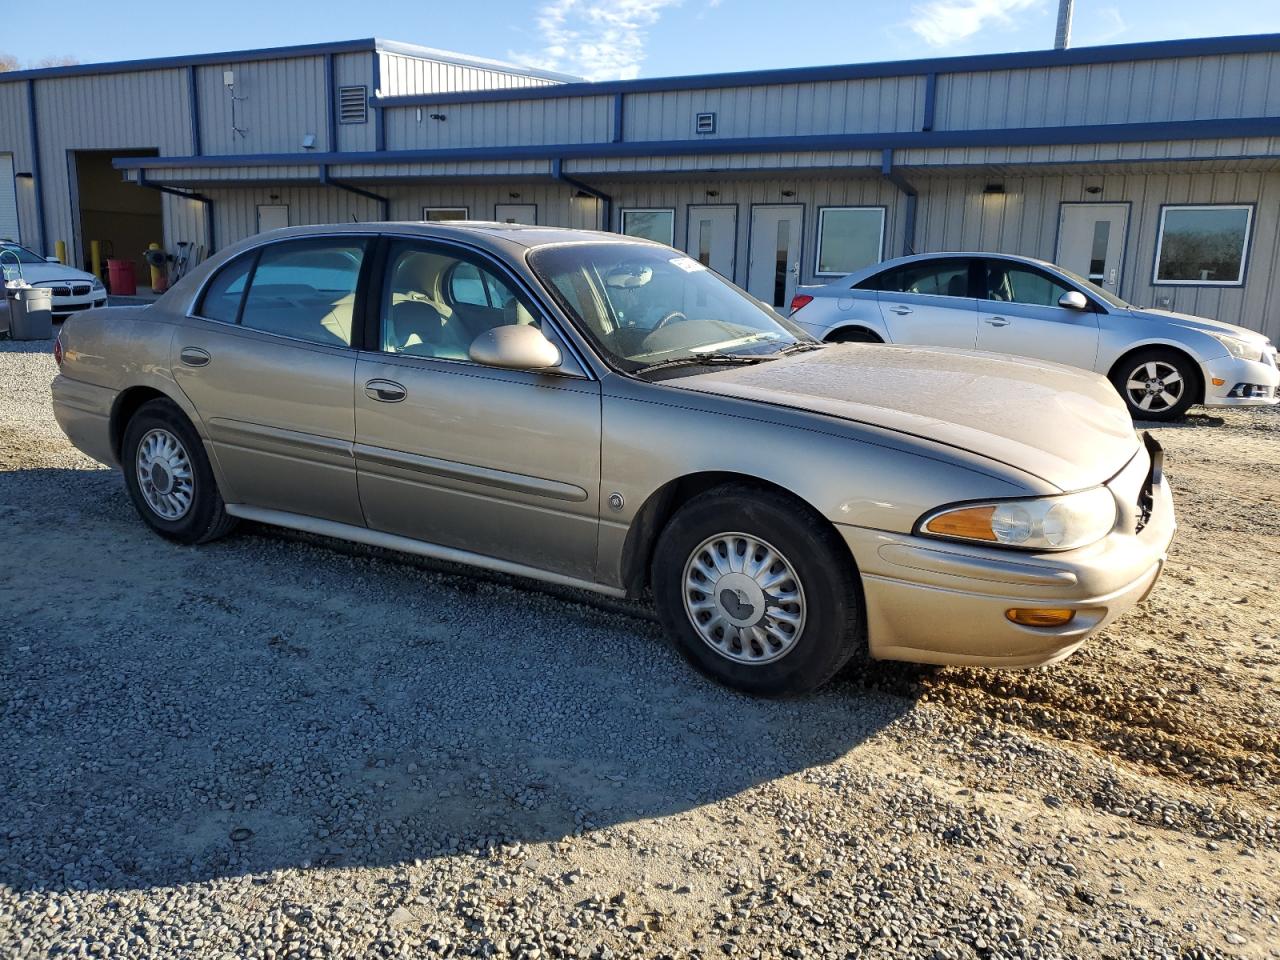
123 216
8 199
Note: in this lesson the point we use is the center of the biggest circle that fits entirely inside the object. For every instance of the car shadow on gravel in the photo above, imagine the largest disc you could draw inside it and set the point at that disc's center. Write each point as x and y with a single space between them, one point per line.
173 715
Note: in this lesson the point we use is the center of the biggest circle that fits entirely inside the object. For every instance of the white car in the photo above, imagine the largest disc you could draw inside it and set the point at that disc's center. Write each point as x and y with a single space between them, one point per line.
73 290
1160 362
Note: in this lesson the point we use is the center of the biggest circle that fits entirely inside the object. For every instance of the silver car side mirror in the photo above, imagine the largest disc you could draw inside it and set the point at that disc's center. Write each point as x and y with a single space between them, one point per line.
1073 300
516 346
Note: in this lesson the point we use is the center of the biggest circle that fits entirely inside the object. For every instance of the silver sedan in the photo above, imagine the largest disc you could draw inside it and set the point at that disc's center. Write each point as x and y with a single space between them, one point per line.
1160 362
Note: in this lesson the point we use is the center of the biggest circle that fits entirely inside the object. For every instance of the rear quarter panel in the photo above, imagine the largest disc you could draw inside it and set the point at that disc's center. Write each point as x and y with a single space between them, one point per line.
836 308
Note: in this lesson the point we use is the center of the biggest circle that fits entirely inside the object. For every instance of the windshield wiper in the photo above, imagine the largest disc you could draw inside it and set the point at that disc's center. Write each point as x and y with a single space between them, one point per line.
800 346
704 359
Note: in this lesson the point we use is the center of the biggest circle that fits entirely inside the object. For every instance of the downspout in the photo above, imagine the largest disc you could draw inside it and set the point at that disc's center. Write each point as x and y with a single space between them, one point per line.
35 167
186 195
384 205
910 195
606 201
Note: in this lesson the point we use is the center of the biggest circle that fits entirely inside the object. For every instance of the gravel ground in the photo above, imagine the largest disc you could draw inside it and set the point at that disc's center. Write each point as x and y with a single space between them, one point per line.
279 746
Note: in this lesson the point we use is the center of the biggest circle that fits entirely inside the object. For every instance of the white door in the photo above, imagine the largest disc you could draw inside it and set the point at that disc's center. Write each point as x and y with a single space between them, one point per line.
515 212
774 256
272 216
8 200
1091 241
712 236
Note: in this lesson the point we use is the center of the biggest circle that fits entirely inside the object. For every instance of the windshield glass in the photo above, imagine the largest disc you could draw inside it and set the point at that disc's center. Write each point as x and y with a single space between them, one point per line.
9 250
1104 295
644 304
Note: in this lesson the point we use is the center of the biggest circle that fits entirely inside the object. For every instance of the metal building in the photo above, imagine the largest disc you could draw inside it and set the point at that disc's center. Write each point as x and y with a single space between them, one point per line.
1154 168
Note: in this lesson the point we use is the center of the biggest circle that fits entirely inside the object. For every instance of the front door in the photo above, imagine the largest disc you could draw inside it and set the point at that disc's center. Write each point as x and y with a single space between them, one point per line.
503 463
1018 313
516 212
271 373
272 216
774 256
712 236
1091 241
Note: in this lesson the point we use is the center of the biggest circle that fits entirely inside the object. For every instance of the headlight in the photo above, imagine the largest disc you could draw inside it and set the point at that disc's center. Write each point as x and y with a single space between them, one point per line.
97 285
1039 523
1243 349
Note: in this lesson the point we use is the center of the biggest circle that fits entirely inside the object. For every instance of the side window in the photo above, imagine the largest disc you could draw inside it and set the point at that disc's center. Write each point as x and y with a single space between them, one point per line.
436 302
939 278
1009 282
222 296
306 290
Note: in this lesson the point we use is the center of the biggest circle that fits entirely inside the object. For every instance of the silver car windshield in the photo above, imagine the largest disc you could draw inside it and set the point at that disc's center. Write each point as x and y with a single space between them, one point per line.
1093 288
645 304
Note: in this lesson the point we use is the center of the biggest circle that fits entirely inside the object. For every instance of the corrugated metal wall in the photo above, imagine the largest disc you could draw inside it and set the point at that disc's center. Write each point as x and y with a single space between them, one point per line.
402 75
355 69
15 139
275 104
554 120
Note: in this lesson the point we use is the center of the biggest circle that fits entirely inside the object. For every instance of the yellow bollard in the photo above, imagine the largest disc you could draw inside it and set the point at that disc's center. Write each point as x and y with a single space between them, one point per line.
60 250
95 257
158 279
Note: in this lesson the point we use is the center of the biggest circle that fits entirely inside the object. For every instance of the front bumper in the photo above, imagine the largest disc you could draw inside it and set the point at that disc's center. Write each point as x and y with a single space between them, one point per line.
1231 382
63 306
934 601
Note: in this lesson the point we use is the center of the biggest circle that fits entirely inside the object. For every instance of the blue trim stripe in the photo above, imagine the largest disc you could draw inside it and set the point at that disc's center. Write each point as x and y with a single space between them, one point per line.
193 105
930 101
1163 49
331 109
37 176
619 104
1013 136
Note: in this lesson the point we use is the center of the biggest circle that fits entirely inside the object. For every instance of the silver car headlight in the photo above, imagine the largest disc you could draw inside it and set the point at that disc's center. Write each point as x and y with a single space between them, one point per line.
1240 349
1035 523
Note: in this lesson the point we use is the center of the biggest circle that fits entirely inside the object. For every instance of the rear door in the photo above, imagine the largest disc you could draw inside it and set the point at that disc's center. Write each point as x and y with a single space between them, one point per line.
504 463
929 302
1019 314
270 369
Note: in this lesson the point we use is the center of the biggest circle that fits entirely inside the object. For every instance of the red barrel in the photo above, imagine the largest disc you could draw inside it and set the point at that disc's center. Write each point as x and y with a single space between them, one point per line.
120 278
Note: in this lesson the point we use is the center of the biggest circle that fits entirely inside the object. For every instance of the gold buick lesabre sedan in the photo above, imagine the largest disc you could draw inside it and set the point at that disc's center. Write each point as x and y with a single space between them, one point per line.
606 412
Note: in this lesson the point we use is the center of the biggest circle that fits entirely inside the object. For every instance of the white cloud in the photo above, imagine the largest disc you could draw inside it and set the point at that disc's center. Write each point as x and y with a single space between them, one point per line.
942 23
598 39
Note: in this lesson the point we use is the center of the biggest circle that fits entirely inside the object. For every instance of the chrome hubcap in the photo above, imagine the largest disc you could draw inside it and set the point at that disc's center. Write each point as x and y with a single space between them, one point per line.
744 598
164 474
1155 386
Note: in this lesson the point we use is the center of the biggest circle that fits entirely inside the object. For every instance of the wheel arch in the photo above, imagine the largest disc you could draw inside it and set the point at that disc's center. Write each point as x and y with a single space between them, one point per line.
834 335
1192 363
127 403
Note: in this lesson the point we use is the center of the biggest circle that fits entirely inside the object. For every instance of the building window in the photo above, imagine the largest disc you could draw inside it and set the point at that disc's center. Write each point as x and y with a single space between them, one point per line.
1203 245
444 213
849 238
657 225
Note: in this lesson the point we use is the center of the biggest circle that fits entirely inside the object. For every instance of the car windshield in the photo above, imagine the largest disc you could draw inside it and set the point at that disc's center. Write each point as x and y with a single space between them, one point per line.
644 304
1093 288
10 250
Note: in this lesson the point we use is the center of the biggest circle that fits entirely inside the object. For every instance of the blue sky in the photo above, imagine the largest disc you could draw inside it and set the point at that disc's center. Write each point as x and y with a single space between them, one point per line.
603 39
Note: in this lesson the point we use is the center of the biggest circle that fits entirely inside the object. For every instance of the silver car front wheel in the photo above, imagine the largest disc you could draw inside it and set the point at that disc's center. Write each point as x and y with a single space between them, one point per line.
744 598
1157 383
1155 386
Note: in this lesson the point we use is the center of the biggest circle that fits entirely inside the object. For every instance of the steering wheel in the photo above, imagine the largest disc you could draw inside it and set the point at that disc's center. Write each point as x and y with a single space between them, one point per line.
673 315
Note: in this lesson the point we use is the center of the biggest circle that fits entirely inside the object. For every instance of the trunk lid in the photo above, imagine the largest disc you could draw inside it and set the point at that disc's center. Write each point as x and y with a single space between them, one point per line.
1063 425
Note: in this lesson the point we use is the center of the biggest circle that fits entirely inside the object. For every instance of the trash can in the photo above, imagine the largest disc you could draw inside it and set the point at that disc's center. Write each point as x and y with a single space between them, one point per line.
120 278
30 313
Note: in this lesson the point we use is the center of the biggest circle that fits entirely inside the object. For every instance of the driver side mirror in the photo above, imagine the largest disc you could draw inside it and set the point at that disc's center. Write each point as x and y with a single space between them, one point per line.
516 346
1073 300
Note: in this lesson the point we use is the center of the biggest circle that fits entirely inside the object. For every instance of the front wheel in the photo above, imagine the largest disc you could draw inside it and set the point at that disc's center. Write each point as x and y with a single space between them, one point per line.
757 591
1157 384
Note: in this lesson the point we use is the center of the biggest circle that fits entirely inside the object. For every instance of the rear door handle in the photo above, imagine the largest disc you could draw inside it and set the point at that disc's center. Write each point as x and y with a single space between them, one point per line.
194 356
900 310
385 391
997 321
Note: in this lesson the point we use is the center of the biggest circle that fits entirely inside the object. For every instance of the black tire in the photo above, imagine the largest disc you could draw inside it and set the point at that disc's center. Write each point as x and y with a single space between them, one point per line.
205 517
1138 368
831 632
854 335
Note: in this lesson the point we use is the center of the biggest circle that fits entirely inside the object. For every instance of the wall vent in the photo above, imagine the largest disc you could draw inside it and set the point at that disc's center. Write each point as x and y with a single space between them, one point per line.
705 123
353 104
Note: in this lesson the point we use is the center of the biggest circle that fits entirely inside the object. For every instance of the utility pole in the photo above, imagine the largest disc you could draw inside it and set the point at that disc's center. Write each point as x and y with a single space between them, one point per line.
1062 39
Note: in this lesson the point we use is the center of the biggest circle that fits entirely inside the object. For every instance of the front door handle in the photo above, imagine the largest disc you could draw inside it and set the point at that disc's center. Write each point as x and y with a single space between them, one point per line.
194 356
385 391
900 310
997 321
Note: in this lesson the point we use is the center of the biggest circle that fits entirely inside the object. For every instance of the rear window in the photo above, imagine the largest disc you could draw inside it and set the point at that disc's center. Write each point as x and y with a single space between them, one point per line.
939 278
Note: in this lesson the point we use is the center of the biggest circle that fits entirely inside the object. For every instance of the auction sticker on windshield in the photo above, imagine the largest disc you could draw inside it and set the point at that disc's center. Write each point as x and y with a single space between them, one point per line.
687 264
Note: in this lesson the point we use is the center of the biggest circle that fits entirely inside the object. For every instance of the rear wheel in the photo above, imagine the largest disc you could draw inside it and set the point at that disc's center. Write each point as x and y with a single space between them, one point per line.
1157 384
854 335
757 592
169 477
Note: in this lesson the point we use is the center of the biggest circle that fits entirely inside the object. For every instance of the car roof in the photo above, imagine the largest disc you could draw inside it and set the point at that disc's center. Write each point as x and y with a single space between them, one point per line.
873 269
483 232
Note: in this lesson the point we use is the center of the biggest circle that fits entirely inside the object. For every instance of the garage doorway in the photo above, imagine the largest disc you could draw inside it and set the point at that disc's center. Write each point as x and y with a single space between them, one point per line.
123 216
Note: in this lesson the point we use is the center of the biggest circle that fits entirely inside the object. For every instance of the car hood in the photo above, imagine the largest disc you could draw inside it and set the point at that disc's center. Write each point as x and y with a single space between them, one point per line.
40 273
1063 425
1203 324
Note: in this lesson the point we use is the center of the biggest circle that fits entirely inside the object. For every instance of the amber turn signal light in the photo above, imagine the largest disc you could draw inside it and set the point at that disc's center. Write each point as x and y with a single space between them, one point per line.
1218 381
1040 618
972 524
